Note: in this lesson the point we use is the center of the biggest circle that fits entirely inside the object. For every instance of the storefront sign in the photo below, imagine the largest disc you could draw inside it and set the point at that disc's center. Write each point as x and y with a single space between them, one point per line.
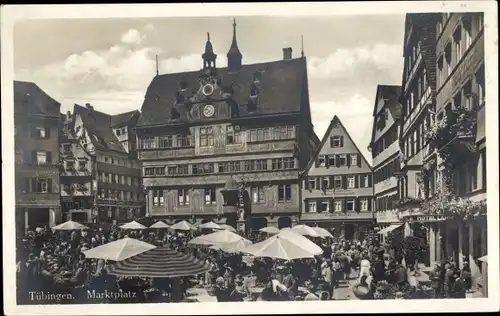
119 203
337 215
429 218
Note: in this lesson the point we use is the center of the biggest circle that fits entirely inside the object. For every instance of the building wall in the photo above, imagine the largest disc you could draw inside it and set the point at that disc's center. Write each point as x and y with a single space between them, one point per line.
329 186
37 178
461 81
259 154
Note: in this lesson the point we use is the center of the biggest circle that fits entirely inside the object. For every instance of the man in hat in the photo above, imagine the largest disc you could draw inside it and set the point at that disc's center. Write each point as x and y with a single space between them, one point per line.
328 277
290 281
435 278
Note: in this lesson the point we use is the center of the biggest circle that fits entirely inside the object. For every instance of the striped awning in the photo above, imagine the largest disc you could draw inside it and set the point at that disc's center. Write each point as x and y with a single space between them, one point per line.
159 263
389 229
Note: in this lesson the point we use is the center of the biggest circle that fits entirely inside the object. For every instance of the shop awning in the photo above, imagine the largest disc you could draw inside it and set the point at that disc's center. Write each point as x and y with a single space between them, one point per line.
389 229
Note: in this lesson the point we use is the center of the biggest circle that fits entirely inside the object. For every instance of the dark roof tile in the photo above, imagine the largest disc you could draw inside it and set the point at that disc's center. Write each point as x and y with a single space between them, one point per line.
123 118
281 89
30 99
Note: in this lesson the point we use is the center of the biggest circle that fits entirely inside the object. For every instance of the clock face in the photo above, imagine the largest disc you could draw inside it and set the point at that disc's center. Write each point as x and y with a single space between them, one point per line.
208 110
208 89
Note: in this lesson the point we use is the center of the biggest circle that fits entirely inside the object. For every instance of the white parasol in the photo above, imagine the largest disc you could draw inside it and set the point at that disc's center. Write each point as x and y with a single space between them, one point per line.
133 225
159 224
70 225
305 230
269 230
209 225
219 237
286 245
118 250
183 225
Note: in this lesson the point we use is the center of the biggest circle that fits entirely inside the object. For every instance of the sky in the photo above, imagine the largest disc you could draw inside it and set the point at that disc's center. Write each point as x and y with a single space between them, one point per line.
109 63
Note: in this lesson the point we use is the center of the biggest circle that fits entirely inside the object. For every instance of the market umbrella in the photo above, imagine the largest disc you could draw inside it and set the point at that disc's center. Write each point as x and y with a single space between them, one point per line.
133 225
160 262
269 230
219 237
305 230
69 225
159 224
322 232
234 247
227 227
286 245
183 225
118 250
483 258
209 225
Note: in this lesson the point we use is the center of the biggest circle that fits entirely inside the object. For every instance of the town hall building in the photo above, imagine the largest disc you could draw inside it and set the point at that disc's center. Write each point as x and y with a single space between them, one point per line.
244 128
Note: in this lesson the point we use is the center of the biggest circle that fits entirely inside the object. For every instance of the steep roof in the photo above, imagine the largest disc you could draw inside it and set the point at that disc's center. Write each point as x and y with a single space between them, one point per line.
335 120
423 25
123 118
30 99
281 89
98 126
391 93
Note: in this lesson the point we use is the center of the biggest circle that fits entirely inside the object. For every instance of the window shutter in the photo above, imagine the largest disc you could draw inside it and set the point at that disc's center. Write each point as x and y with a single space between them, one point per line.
34 185
332 185
344 205
47 132
49 157
33 156
318 205
306 183
357 204
359 160
369 205
344 182
318 183
369 180
348 160
49 185
327 161
356 181
317 162
337 160
341 141
26 187
330 205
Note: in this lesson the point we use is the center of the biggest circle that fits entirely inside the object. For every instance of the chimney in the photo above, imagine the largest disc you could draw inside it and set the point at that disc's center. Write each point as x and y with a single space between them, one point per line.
287 53
68 116
88 106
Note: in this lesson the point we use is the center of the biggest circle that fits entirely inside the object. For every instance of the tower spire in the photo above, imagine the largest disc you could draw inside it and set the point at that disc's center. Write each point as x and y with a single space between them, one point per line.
302 45
157 70
234 55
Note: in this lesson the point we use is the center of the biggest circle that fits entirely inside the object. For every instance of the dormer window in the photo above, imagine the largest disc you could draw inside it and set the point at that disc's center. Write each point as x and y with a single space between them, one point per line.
174 114
183 85
251 106
254 91
257 76
179 97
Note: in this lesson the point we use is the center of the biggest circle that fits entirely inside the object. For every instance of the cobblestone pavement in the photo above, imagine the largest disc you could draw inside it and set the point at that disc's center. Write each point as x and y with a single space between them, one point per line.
344 291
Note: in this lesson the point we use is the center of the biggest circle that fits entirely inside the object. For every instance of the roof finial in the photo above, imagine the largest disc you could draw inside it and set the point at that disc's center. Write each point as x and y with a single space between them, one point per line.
302 45
234 23
208 36
157 70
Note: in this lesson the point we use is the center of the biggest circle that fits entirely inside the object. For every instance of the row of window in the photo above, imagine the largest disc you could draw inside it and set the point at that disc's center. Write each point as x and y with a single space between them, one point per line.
210 195
386 203
38 132
336 141
111 194
416 91
129 163
386 140
109 177
338 205
35 185
39 157
121 131
78 164
206 138
460 42
387 171
338 182
339 160
222 167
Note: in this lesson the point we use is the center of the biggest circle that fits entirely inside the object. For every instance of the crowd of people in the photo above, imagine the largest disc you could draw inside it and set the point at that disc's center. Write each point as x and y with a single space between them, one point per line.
53 262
